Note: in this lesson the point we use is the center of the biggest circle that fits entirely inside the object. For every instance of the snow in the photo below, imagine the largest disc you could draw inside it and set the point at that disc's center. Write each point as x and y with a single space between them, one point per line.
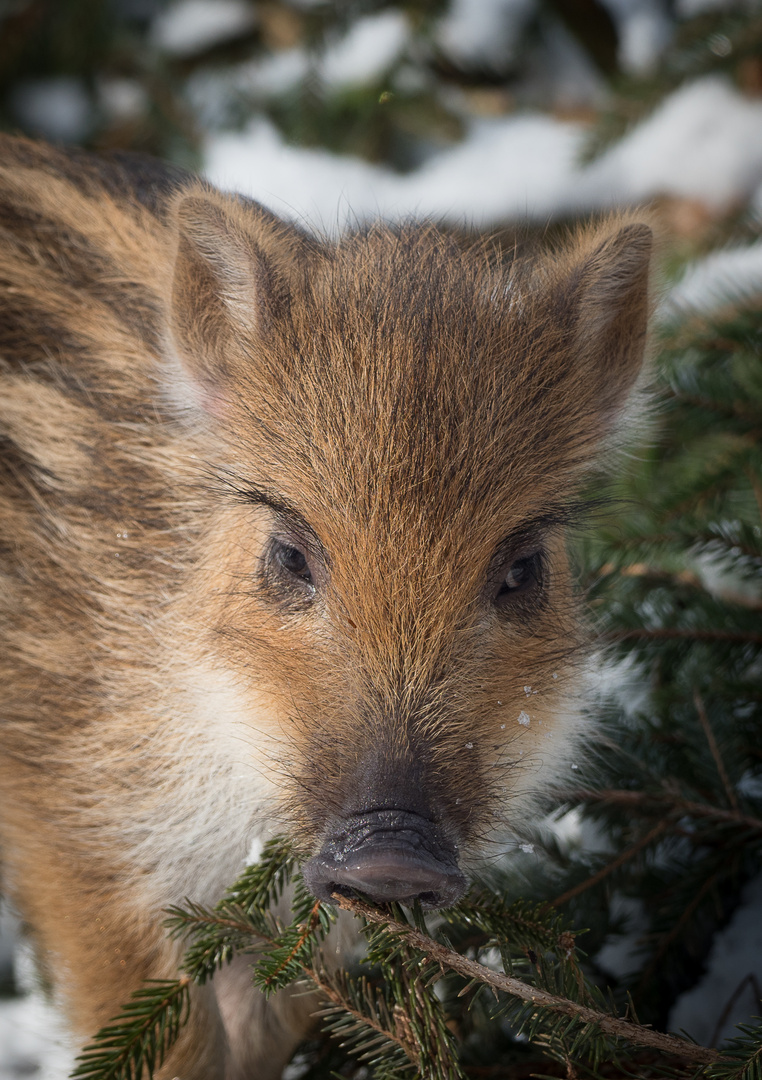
189 26
719 277
272 76
704 142
620 957
124 99
54 108
644 30
367 51
32 1042
483 32
688 8
730 986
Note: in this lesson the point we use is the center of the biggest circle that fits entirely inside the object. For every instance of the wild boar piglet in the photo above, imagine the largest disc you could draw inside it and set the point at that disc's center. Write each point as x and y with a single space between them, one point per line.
282 549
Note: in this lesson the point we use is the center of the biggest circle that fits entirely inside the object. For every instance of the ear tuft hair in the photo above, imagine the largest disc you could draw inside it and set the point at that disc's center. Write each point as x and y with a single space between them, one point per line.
229 284
609 289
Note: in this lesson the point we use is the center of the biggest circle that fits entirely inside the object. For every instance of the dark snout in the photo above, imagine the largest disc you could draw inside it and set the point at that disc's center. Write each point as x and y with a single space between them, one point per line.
387 855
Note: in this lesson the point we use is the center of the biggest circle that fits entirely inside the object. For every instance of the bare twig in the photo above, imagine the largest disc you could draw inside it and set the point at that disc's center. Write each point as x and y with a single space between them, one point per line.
732 799
470 969
747 980
667 940
663 803
661 632
604 872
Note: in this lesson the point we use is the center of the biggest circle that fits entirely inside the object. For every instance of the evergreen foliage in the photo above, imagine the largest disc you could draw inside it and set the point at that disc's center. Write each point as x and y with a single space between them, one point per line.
676 585
135 1042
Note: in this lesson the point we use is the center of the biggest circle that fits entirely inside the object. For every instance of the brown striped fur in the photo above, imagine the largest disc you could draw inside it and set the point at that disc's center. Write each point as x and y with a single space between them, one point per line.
183 377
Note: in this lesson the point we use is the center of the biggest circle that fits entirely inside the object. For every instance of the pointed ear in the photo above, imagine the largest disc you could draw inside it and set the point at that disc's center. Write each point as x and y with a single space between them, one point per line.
228 286
609 292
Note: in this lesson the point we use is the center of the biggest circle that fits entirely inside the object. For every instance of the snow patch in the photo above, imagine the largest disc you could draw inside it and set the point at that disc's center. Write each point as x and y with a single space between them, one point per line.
483 31
368 49
519 166
720 277
734 962
189 26
57 108
32 1041
703 142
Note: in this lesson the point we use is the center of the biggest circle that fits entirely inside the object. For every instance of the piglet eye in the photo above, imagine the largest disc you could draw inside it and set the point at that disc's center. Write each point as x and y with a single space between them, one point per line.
520 576
287 570
293 561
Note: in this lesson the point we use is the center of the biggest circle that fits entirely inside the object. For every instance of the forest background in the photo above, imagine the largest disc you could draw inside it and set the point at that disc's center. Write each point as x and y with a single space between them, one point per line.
494 115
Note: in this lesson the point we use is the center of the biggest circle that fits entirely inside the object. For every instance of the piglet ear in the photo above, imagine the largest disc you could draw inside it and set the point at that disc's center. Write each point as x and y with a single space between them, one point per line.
609 292
226 290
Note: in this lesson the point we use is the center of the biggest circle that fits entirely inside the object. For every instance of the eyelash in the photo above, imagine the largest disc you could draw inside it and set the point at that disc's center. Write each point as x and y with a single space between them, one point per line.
287 568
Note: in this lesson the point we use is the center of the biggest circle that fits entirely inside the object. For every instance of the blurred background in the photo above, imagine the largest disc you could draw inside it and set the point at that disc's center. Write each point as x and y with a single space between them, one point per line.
478 111
490 114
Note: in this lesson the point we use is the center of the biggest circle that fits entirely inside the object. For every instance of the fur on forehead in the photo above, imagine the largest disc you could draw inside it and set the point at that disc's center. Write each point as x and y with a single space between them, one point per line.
446 374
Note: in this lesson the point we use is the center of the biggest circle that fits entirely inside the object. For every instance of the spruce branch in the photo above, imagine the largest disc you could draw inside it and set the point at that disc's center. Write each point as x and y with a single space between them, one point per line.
472 970
400 1023
742 1057
353 1008
136 1041
756 487
217 935
529 926
667 939
288 953
303 933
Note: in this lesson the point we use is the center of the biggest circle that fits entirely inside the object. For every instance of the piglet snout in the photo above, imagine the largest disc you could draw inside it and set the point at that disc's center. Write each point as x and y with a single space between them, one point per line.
387 855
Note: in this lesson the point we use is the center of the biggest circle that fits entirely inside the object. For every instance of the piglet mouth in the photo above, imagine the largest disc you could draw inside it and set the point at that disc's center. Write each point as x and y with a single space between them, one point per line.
388 855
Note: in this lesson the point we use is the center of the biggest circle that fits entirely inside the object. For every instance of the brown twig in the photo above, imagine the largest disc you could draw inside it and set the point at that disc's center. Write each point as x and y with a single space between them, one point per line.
715 750
470 969
662 632
667 940
306 929
679 807
609 868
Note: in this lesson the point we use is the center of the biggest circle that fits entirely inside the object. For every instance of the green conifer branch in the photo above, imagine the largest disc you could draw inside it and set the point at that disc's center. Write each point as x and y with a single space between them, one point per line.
359 1016
136 1042
742 1057
612 1026
379 1024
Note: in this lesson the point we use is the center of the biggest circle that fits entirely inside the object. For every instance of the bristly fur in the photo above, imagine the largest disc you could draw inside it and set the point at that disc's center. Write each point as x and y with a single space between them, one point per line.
186 382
